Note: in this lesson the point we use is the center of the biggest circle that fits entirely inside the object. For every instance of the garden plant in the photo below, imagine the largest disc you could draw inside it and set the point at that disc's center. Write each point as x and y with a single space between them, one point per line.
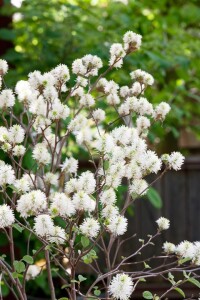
74 214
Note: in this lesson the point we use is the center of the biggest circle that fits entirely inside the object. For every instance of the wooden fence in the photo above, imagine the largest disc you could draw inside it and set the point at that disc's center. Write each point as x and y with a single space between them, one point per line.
180 192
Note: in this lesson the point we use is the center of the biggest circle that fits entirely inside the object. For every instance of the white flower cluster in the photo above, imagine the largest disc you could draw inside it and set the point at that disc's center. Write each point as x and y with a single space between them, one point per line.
6 216
9 138
87 66
173 161
56 189
185 250
163 223
121 287
3 67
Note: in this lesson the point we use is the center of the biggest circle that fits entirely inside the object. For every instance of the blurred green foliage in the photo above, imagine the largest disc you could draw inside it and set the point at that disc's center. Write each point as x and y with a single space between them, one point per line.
48 32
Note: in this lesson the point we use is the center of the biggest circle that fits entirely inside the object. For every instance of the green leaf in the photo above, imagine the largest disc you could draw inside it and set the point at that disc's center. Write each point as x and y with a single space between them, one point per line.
81 278
3 256
182 261
147 295
85 241
154 197
146 265
194 281
97 292
18 228
64 286
15 275
142 280
89 257
180 291
19 266
63 298
28 259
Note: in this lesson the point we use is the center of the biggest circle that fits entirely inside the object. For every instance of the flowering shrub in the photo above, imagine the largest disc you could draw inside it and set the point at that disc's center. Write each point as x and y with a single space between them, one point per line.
75 215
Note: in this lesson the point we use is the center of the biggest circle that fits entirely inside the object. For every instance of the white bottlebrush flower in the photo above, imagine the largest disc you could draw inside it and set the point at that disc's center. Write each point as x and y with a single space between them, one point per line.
92 63
81 81
176 160
142 77
161 110
6 147
61 73
137 89
47 80
105 143
32 272
70 165
143 124
72 186
38 106
110 211
101 84
51 178
41 154
132 41
82 201
22 185
118 225
185 249
90 227
77 123
4 135
111 87
87 66
117 50
78 91
87 100
196 258
19 150
31 203
78 67
124 91
58 236
150 163
138 187
133 171
50 93
24 92
7 99
62 205
144 107
44 226
121 287
87 182
98 115
113 99
58 110
121 135
116 55
108 197
163 223
3 67
6 216
169 248
7 175
35 79
16 134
